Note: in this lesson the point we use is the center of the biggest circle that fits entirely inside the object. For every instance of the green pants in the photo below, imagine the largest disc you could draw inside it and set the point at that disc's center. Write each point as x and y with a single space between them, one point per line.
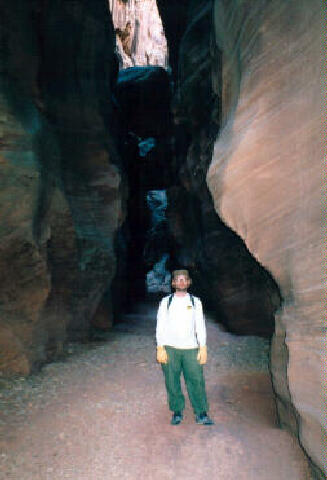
180 360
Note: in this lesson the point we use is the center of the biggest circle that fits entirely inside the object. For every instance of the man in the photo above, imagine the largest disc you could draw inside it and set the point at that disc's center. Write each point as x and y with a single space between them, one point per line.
181 347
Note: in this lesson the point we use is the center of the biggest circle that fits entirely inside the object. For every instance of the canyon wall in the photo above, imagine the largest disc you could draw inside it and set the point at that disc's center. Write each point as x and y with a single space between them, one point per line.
248 70
242 295
257 77
265 179
61 189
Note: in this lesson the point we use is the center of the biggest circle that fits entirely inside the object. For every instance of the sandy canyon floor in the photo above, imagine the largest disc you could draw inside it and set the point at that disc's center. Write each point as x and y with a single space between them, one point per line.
100 413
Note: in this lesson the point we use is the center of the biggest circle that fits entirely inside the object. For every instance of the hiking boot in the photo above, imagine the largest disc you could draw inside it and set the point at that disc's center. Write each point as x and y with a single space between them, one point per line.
176 418
204 419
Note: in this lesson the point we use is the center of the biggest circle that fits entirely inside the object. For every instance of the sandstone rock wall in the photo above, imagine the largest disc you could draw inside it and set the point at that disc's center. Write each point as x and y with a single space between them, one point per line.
24 278
139 34
265 178
231 283
61 188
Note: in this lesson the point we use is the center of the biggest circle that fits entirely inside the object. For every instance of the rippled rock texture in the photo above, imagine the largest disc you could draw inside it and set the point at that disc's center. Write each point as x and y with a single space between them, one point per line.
232 284
265 178
140 37
61 192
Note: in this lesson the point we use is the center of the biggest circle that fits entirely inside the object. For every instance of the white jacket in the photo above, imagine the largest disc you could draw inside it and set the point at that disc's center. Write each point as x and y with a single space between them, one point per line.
182 325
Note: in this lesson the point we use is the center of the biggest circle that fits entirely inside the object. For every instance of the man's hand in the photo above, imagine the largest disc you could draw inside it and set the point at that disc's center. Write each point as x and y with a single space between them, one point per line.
202 355
162 356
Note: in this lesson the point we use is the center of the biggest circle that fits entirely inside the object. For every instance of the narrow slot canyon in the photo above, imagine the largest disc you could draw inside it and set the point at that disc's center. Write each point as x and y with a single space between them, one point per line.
139 137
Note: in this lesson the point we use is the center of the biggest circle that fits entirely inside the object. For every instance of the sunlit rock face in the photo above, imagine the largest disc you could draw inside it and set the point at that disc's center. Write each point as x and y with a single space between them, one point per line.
139 34
61 189
265 178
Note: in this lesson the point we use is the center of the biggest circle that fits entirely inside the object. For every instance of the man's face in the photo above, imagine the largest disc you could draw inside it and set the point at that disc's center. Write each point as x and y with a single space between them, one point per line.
181 283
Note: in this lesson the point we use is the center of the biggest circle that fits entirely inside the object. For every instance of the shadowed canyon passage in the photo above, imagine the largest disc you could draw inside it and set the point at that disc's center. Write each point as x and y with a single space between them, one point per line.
111 176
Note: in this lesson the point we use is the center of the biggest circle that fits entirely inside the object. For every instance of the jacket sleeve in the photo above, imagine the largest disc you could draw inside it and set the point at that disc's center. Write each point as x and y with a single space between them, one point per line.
200 327
161 321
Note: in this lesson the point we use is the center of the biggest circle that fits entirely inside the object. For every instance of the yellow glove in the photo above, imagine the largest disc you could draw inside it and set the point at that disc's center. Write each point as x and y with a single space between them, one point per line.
162 356
202 355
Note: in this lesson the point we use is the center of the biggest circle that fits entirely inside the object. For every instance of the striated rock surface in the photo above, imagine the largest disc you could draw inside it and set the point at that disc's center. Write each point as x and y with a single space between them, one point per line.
140 38
265 178
61 189
231 283
24 277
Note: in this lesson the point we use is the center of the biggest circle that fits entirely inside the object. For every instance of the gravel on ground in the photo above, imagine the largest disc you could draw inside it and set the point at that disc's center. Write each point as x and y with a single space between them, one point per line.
100 413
